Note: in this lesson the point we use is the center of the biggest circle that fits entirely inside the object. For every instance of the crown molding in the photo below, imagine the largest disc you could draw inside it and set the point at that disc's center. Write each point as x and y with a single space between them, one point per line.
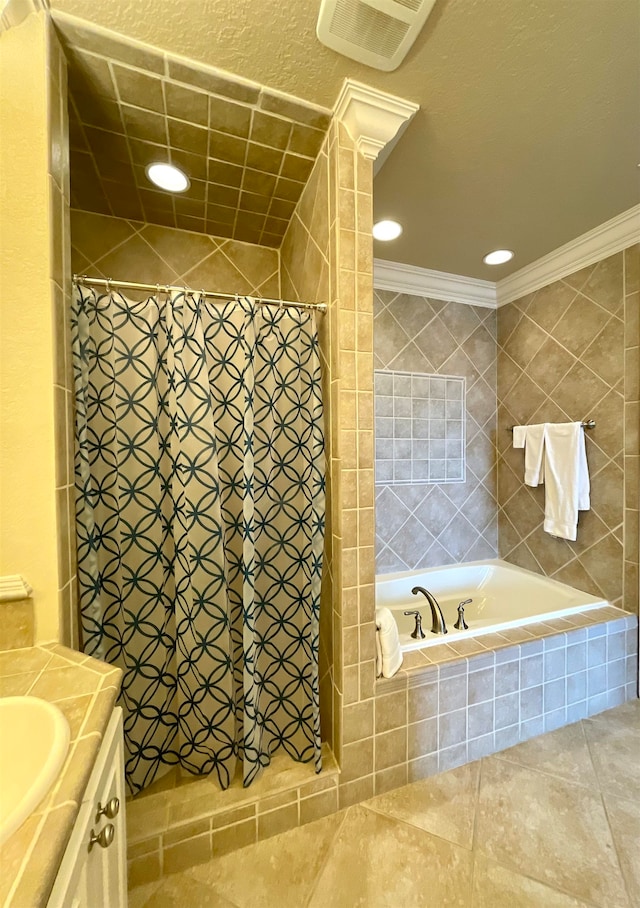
13 588
438 285
597 244
371 117
593 246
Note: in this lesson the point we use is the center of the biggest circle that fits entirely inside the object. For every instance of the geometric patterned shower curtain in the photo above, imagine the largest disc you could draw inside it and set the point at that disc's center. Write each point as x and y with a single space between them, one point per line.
200 514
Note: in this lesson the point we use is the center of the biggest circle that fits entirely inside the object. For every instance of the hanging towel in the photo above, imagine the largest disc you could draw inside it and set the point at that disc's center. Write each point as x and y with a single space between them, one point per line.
566 478
531 438
388 652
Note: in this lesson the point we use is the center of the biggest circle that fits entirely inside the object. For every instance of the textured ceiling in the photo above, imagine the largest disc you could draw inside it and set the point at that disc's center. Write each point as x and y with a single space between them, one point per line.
247 151
529 129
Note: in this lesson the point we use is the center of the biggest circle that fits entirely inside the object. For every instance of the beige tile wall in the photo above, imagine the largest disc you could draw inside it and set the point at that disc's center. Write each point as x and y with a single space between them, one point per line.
631 424
327 253
58 133
103 246
17 625
247 151
305 275
427 525
561 358
351 328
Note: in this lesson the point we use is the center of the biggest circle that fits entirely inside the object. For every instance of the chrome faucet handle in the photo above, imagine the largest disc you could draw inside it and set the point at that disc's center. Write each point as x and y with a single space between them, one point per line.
461 624
418 633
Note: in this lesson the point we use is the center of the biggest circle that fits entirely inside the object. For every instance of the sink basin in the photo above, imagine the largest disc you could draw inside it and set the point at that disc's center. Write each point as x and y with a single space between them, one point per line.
34 740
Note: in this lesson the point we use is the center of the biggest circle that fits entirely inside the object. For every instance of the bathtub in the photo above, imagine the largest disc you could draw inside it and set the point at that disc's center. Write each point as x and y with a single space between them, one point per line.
502 595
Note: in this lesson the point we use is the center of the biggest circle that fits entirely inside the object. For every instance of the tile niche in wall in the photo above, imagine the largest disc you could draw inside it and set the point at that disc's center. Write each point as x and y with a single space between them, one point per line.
419 427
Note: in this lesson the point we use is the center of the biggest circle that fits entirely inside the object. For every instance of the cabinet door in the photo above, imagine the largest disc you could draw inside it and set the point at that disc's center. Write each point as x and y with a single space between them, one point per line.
106 873
92 876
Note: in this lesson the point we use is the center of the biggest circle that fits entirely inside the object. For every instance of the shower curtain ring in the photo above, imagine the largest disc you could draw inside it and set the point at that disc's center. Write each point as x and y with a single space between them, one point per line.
108 285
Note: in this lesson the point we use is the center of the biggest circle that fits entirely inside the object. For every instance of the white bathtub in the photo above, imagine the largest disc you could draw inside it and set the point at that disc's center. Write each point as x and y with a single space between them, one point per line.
502 596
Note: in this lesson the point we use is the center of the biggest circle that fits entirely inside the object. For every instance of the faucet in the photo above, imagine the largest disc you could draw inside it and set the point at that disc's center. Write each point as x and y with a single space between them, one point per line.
418 633
461 624
438 625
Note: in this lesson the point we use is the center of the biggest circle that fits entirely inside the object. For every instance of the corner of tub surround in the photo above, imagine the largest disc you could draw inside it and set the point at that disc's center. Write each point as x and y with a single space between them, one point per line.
85 690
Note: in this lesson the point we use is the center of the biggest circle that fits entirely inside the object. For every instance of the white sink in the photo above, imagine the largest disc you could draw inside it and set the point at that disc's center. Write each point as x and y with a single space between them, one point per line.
34 739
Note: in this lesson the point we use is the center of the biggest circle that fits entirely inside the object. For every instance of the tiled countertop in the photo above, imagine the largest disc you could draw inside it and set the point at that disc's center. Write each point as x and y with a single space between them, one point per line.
85 690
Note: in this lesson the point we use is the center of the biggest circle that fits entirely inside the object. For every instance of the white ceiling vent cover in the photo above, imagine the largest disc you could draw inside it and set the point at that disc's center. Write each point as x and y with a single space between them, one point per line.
378 33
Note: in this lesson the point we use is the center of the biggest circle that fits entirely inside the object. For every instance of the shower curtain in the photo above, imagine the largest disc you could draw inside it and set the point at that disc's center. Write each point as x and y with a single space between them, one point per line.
200 514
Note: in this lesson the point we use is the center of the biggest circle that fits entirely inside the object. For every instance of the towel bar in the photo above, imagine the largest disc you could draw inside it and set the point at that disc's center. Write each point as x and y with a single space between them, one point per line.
586 424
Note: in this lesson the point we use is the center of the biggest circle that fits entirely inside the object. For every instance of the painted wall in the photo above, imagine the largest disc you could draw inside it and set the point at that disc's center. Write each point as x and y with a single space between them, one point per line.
34 524
561 358
425 525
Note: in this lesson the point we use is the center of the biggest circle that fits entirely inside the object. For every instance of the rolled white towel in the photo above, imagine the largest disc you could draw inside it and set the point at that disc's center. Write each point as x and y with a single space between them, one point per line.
389 654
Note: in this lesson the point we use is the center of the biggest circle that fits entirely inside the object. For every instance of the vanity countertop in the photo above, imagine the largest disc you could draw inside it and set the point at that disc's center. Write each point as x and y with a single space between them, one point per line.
85 690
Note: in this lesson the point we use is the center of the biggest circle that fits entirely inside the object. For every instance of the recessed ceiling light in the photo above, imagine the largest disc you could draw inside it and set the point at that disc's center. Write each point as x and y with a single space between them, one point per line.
386 230
168 177
499 257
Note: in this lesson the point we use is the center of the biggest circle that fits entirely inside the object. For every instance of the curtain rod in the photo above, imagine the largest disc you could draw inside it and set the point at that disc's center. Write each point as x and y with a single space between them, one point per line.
586 424
167 288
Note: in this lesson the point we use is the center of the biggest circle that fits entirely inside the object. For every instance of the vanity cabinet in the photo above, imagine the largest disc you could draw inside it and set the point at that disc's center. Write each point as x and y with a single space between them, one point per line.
93 871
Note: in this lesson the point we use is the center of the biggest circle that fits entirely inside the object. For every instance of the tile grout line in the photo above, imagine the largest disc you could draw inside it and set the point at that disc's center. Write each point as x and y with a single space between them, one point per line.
325 862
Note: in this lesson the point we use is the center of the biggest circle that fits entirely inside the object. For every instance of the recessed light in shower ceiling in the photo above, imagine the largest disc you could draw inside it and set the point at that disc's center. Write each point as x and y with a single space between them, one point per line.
386 230
168 177
498 257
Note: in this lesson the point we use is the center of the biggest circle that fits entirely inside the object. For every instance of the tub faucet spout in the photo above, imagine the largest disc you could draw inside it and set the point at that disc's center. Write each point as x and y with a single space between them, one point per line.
438 625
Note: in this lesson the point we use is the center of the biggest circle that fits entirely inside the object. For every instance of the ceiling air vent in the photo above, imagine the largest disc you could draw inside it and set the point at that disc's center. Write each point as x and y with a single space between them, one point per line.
378 33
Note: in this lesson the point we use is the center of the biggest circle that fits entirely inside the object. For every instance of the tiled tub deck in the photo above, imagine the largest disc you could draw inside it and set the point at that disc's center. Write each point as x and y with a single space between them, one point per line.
444 708
508 687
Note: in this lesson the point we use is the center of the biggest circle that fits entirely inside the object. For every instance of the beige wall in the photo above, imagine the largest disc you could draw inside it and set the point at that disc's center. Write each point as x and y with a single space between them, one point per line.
562 357
422 525
34 519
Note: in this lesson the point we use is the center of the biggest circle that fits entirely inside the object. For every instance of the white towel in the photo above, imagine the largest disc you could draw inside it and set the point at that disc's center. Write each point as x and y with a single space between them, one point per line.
531 438
388 652
566 478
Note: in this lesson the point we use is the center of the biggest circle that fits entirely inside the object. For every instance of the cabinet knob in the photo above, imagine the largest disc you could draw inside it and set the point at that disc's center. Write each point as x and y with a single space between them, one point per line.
103 838
110 809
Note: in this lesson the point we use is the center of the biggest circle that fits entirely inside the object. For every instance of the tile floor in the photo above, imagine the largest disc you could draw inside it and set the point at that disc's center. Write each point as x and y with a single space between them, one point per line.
550 823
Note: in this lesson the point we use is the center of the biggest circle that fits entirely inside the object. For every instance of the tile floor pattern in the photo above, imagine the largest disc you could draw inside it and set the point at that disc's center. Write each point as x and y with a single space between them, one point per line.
551 823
